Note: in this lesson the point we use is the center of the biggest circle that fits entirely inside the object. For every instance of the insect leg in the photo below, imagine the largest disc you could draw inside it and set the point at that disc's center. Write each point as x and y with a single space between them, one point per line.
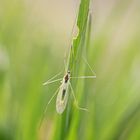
87 77
53 81
51 99
50 80
47 107
84 77
85 60
65 64
76 102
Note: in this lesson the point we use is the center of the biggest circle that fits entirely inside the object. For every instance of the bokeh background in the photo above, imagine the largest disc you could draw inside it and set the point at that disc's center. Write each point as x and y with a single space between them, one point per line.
34 36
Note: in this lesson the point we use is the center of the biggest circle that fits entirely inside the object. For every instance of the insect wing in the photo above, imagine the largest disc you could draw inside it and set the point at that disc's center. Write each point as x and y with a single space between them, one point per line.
62 98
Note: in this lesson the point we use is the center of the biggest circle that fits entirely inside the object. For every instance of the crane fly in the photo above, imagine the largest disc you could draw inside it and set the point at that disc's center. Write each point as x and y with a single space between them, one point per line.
63 91
62 97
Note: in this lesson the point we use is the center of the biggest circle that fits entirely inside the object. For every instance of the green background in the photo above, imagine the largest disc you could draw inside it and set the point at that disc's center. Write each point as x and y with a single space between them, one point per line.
34 36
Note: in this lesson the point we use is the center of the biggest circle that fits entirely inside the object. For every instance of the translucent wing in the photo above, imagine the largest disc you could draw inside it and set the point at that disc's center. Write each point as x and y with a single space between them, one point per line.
62 98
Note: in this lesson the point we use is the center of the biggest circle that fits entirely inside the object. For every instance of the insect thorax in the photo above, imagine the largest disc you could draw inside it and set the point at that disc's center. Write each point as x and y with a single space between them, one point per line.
67 77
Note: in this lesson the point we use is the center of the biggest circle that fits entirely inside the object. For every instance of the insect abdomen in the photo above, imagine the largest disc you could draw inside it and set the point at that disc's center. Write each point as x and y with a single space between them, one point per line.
63 94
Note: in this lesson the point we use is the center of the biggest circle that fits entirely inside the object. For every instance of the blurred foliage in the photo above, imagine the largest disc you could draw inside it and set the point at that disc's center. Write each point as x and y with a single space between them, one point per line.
27 59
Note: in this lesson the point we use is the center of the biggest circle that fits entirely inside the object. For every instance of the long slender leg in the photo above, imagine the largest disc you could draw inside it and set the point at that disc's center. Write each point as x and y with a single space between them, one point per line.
53 81
84 77
85 60
51 100
65 64
47 107
52 78
76 102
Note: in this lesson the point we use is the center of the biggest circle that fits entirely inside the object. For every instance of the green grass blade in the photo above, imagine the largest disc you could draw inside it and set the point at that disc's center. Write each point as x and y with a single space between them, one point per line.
75 54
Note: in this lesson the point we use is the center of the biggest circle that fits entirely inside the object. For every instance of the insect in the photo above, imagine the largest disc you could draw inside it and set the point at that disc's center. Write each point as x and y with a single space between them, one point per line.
63 91
62 96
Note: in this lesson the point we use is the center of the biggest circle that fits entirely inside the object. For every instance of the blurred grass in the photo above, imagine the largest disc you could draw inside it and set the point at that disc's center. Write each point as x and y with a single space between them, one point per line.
27 60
